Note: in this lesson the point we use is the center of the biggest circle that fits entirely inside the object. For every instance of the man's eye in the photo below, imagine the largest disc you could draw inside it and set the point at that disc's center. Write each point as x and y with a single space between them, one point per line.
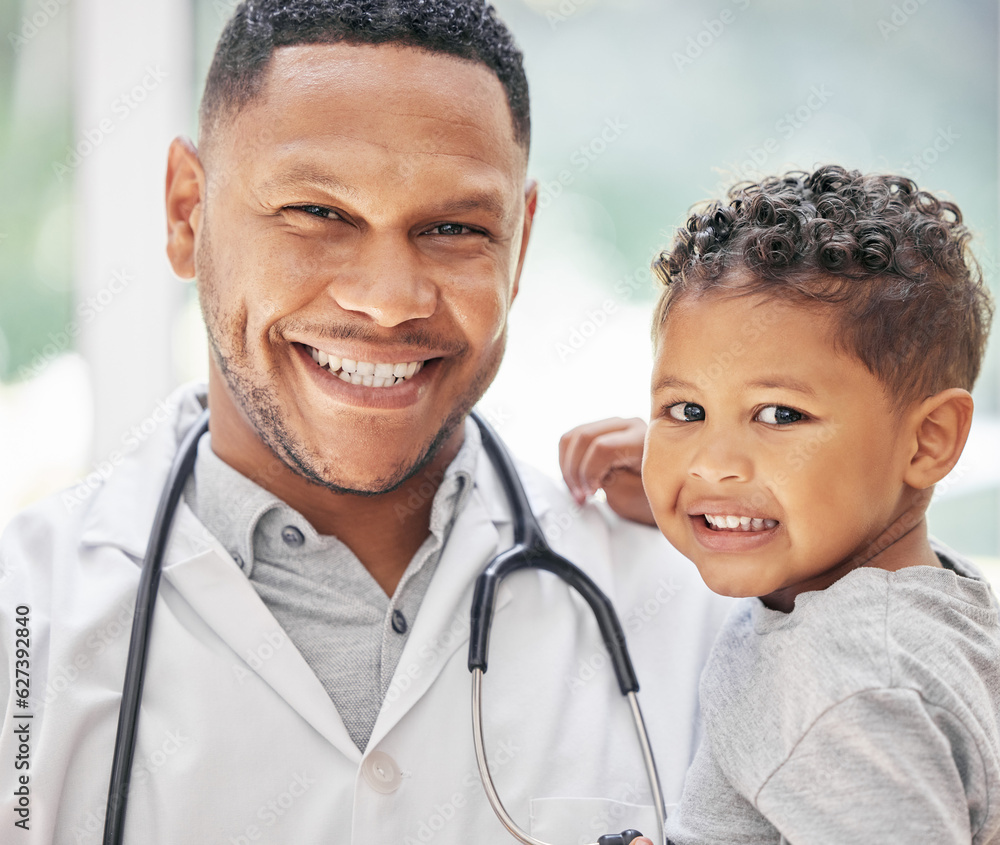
317 211
778 415
686 412
452 229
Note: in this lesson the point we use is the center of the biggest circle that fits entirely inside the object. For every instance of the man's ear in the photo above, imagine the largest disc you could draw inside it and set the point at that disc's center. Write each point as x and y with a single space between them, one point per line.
942 425
185 194
530 204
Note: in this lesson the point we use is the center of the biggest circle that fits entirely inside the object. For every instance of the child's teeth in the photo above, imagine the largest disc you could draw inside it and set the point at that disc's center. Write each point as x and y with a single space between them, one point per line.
727 522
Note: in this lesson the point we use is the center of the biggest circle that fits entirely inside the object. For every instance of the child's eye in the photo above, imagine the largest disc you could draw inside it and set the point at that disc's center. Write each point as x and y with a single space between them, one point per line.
778 415
686 412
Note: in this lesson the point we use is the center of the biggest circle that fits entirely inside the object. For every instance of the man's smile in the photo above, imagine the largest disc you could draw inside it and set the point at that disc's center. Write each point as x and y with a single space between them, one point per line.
366 373
353 381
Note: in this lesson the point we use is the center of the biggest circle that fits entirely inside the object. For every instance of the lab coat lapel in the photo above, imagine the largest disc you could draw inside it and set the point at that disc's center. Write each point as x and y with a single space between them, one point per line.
221 595
441 628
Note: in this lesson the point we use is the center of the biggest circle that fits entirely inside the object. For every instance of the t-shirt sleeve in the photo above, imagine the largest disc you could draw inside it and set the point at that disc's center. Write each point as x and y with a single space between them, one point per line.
879 766
712 812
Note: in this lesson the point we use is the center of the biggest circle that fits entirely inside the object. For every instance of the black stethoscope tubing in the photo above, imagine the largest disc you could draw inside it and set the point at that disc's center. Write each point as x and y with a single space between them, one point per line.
530 550
142 622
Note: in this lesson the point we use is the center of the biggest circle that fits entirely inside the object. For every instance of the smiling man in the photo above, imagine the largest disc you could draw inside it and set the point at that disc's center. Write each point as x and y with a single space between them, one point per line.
356 213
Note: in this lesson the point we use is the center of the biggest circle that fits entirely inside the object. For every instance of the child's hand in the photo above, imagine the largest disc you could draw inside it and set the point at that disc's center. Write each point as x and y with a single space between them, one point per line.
607 454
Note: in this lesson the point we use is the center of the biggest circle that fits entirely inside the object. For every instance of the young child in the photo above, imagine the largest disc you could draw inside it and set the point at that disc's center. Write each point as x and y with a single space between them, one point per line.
816 341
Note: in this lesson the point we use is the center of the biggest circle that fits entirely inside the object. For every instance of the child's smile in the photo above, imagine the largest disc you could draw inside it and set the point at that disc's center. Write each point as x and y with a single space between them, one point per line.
773 459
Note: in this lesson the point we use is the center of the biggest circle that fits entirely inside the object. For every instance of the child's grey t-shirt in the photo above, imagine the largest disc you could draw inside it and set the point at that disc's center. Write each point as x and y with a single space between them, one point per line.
869 714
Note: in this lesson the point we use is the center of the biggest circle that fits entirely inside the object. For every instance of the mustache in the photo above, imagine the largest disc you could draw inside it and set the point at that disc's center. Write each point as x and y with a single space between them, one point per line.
415 337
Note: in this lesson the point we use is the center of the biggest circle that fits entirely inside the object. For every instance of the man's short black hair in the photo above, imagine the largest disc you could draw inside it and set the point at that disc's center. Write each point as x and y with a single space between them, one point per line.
468 29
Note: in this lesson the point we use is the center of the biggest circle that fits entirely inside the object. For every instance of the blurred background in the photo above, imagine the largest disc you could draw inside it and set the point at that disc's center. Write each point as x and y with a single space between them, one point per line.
640 108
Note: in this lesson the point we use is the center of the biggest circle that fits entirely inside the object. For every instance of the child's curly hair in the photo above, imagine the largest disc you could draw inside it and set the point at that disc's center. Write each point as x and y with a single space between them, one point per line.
892 260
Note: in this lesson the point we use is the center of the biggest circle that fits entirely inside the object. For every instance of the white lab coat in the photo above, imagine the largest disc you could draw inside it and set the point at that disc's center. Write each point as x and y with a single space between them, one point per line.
238 742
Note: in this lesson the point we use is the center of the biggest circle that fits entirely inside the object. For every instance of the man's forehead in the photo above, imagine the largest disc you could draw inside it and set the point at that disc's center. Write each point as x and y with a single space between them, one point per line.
389 81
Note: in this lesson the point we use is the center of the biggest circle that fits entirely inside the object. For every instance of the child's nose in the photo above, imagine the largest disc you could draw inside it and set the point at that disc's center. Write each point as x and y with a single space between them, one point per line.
719 458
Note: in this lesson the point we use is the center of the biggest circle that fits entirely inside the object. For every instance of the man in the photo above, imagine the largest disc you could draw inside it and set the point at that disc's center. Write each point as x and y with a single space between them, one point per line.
356 214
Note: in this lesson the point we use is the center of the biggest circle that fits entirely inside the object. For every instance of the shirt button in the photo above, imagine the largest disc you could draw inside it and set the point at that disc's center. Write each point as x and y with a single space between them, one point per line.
292 536
239 560
399 622
381 772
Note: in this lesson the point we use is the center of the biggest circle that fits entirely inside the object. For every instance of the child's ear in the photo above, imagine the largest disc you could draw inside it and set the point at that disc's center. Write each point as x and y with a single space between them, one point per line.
941 428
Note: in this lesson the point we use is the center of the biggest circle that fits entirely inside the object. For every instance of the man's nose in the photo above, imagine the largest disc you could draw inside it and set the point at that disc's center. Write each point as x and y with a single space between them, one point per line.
387 281
721 456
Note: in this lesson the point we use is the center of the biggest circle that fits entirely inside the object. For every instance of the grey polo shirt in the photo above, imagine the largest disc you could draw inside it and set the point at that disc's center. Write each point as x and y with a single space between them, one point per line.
348 630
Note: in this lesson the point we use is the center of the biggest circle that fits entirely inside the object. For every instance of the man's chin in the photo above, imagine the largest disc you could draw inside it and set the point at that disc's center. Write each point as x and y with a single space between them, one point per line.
376 481
374 475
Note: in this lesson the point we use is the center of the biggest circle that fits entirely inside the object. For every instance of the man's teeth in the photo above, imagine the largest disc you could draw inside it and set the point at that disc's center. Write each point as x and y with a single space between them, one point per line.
365 372
739 523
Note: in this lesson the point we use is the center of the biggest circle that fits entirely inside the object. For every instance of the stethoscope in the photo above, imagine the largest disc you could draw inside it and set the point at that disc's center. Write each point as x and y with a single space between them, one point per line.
530 550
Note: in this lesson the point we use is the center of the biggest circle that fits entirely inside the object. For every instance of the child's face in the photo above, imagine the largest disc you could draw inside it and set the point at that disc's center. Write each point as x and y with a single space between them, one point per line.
756 416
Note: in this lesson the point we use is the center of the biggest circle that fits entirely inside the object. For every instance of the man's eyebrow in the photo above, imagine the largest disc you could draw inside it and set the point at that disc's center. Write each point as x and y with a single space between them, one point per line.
783 383
492 202
304 176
